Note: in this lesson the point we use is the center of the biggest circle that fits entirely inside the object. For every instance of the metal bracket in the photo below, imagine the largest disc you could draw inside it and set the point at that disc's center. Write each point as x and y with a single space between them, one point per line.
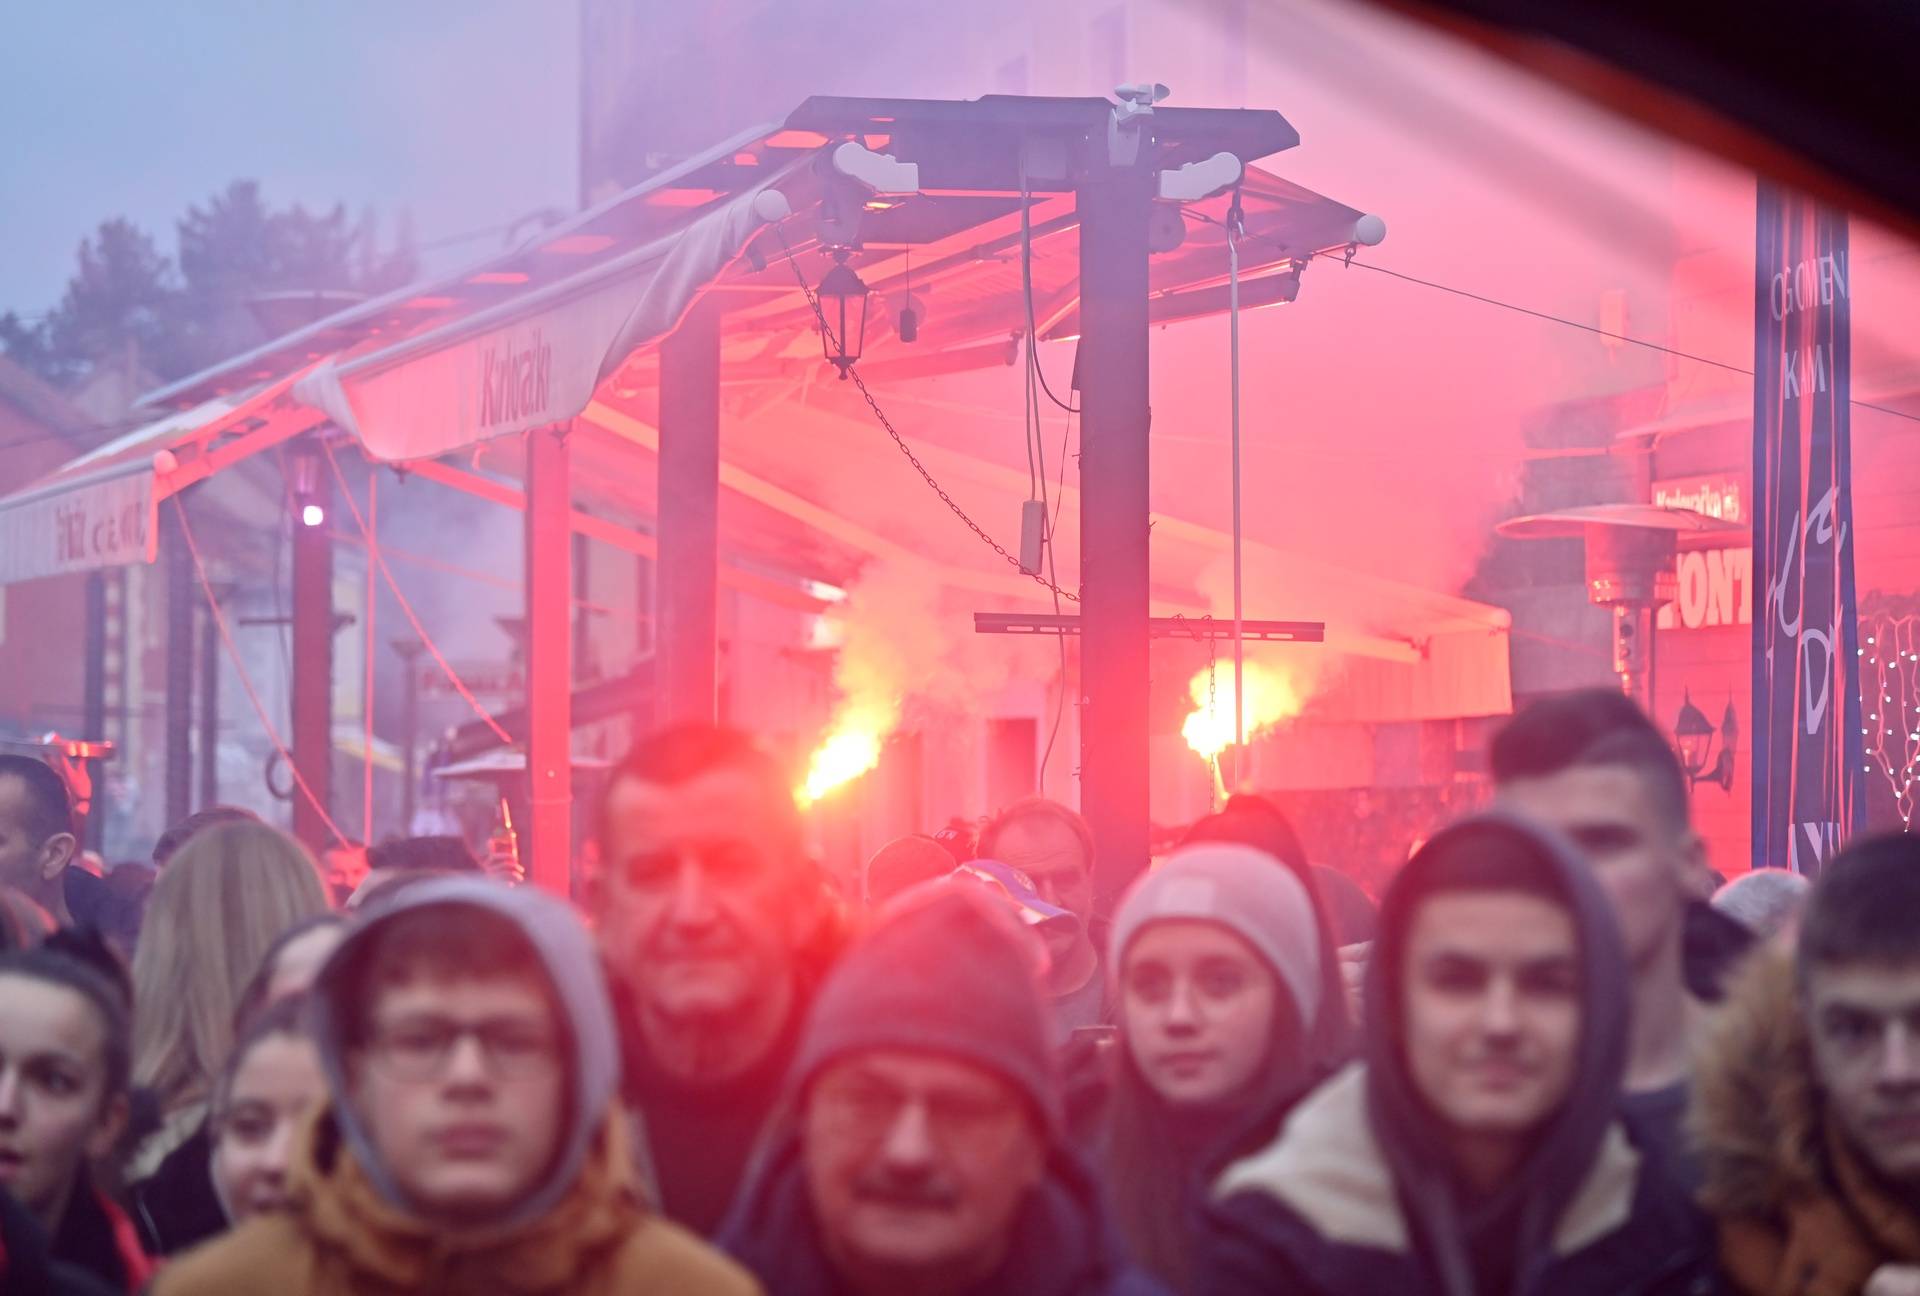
1202 179
1130 118
881 172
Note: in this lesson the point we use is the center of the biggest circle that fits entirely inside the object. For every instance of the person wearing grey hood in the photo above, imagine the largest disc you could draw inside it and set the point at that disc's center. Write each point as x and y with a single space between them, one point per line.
470 1141
1478 1149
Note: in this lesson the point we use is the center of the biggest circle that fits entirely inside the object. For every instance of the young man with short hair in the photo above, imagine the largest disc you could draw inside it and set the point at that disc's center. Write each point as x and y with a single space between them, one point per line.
1592 765
925 1152
1476 1149
471 1141
37 840
1807 1092
1053 847
716 928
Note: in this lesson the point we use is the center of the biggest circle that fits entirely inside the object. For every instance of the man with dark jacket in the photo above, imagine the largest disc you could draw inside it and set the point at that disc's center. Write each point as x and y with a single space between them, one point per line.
1476 1151
1593 766
715 928
1807 1094
922 1150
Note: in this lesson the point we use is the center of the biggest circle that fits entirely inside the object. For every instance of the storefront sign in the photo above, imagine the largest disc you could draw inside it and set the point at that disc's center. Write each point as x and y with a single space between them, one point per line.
1807 757
101 524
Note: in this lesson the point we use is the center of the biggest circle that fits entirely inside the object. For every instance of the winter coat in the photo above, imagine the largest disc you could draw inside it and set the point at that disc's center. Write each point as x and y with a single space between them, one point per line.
97 1237
1318 1214
342 1237
1799 1213
1359 1191
176 1206
27 1268
1062 1244
582 1228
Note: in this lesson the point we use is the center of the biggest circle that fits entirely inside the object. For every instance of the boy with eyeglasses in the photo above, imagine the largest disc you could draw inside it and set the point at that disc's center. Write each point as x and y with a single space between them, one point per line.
471 1141
923 1152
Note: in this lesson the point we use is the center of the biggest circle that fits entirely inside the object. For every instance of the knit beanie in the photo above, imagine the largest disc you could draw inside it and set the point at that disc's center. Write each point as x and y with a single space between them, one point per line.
945 971
1239 888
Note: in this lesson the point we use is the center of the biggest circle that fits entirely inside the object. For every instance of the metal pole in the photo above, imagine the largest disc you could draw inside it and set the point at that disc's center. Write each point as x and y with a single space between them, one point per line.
96 701
689 493
313 669
1114 778
181 598
409 651
1239 609
549 559
209 707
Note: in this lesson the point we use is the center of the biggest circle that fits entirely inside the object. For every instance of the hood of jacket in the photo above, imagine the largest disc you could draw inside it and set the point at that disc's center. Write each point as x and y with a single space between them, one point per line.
1063 1244
565 950
1524 1213
346 1213
1756 1113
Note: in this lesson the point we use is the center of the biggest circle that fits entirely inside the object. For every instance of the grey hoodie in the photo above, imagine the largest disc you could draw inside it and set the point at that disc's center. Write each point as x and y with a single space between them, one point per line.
564 948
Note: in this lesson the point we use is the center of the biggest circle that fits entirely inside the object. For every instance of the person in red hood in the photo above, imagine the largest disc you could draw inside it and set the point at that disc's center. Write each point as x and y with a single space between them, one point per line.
64 1061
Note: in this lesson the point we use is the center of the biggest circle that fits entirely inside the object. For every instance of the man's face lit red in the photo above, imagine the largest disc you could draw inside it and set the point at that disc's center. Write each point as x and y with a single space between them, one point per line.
1864 1019
1049 853
916 1165
1490 988
1648 865
706 893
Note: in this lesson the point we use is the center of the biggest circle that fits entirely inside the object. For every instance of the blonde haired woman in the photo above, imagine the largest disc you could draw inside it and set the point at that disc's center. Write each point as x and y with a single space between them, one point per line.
217 908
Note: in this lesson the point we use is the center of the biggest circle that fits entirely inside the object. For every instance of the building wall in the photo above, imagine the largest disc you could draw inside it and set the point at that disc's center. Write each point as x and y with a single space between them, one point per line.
42 622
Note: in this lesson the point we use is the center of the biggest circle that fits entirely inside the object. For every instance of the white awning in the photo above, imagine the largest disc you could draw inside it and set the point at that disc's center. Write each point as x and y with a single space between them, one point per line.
99 509
538 359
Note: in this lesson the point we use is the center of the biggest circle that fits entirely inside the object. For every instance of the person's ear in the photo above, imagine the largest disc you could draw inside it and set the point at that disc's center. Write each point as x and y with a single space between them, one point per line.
113 1123
56 852
1695 876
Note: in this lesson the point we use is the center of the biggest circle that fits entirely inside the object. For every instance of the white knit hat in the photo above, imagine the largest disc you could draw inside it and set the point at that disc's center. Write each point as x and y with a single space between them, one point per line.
1244 890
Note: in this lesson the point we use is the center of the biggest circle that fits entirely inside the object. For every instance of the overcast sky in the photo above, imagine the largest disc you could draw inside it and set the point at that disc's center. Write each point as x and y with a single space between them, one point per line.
461 112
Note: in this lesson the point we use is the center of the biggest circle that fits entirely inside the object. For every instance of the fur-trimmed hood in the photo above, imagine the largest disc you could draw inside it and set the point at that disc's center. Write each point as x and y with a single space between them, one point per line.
1755 1116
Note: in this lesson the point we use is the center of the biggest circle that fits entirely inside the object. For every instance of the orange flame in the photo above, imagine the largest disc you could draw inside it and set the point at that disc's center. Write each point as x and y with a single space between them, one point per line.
1272 698
850 749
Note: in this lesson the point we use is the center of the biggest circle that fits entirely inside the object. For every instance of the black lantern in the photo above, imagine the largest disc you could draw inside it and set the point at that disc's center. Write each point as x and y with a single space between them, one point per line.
843 314
1693 735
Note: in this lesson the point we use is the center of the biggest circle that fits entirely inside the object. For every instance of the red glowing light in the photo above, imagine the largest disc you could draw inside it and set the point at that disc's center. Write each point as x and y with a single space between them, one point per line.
498 277
796 139
682 197
745 159
579 244
428 303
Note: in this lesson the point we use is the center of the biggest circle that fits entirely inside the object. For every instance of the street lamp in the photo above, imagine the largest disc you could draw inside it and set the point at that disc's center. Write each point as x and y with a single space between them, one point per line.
1693 735
843 314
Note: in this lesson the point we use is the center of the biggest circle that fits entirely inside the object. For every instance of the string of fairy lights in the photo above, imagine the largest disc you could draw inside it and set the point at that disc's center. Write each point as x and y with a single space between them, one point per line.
1890 642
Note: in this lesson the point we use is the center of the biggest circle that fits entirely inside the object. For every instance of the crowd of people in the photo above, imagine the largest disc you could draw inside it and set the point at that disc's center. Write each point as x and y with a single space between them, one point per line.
1551 1059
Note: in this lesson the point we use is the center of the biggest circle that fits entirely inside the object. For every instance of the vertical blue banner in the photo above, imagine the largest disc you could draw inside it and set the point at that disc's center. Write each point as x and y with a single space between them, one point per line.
1807 753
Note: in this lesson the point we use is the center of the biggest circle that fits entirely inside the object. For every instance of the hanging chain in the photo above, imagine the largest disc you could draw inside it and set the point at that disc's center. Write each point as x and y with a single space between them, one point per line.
859 383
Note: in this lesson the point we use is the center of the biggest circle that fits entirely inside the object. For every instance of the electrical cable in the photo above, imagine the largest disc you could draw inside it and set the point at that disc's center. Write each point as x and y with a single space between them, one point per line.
406 608
1026 277
860 385
246 681
1345 259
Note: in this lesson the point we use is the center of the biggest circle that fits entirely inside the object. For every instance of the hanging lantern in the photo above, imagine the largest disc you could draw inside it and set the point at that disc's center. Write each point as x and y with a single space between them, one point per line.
1693 734
843 313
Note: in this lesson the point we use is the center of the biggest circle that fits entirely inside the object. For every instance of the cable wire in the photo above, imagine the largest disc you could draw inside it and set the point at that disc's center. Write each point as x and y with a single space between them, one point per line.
246 681
406 608
853 372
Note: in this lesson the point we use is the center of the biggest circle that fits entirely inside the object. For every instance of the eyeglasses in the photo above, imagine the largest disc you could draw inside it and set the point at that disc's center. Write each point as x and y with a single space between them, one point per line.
422 1048
863 1106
